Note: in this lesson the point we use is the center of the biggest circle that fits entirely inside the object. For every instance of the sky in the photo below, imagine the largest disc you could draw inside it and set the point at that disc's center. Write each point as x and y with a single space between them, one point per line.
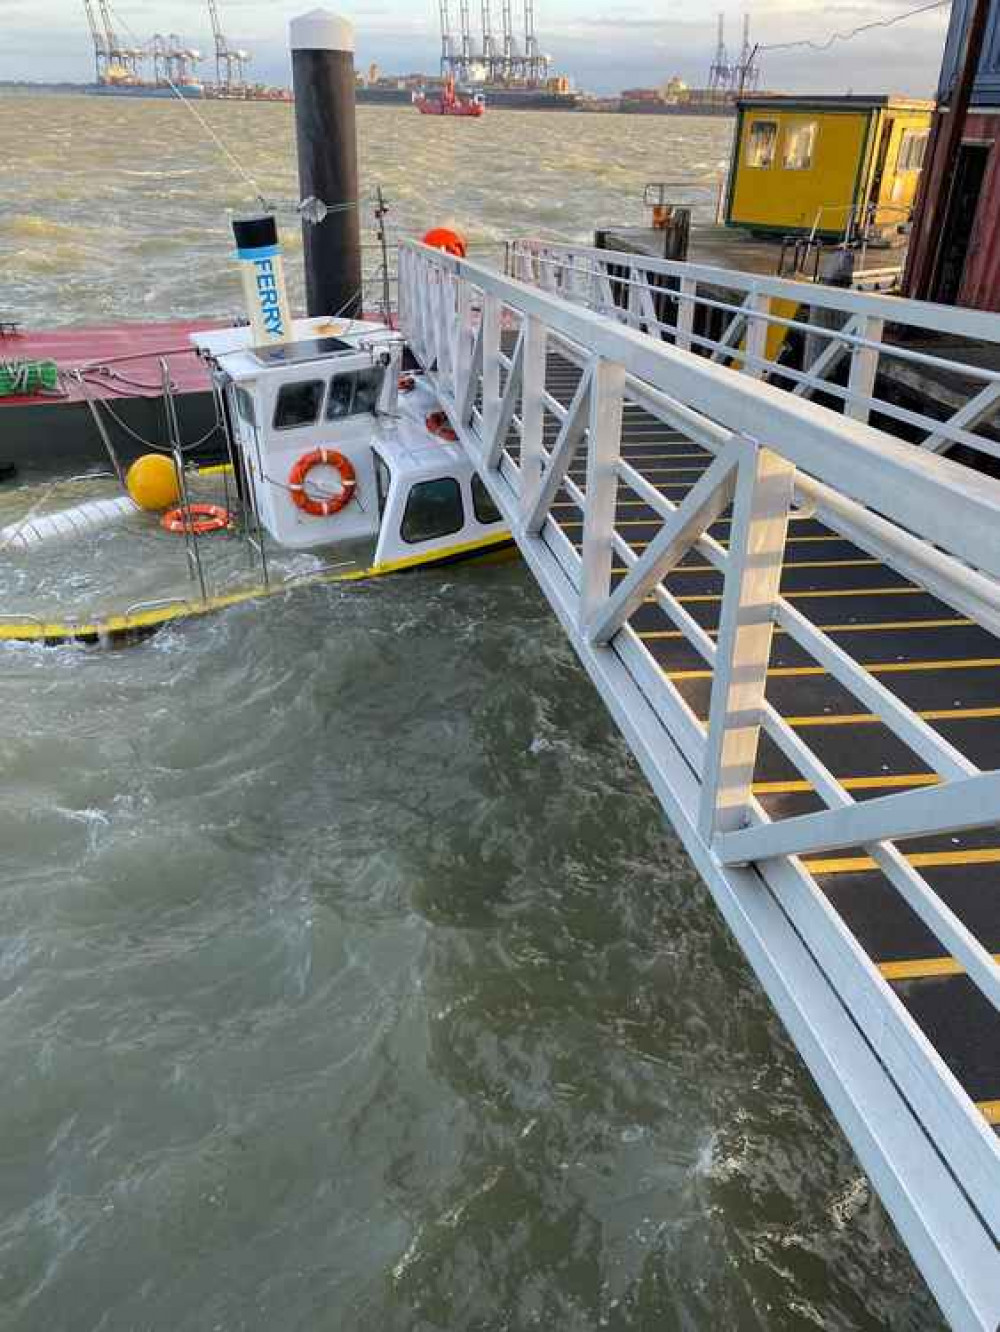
604 45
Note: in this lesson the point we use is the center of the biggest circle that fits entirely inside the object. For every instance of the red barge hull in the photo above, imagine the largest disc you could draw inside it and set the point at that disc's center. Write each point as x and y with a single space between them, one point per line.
120 363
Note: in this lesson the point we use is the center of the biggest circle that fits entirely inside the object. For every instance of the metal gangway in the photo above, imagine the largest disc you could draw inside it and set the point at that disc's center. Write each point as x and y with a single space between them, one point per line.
791 616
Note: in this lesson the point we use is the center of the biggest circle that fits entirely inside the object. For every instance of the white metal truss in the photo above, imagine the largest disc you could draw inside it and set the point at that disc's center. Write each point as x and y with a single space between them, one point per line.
928 1150
667 299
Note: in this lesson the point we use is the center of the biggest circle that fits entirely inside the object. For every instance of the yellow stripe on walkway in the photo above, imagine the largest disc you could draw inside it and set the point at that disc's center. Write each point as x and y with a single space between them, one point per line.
881 782
919 860
873 668
867 718
924 968
797 564
654 634
828 592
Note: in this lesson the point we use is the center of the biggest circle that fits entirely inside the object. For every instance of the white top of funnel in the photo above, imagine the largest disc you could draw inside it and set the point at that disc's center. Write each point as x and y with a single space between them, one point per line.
320 30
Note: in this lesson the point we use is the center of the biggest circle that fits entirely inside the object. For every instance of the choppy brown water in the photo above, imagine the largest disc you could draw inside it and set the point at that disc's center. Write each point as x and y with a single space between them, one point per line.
349 975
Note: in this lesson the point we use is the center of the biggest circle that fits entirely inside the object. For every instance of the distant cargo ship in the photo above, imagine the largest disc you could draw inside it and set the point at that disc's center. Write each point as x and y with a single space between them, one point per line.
195 91
192 90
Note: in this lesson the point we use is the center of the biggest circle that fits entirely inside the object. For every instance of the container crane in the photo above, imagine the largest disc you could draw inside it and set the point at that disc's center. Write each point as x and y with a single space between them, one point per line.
489 42
508 40
230 63
535 64
720 75
122 62
466 22
99 40
446 43
746 75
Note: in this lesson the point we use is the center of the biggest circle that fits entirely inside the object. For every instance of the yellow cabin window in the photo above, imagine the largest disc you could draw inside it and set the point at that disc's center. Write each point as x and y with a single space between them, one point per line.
912 147
800 143
761 140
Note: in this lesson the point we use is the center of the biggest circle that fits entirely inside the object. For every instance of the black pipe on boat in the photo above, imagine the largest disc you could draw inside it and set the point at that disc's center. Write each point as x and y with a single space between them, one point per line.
322 47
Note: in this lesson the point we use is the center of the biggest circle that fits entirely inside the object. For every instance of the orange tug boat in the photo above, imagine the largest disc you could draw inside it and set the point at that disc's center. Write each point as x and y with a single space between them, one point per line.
448 102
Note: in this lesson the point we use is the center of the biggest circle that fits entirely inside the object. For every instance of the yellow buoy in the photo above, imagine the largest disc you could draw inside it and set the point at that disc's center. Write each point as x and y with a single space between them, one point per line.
152 482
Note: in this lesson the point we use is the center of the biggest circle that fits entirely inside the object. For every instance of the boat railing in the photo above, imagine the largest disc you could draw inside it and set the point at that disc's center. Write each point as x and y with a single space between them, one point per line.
550 447
380 276
928 373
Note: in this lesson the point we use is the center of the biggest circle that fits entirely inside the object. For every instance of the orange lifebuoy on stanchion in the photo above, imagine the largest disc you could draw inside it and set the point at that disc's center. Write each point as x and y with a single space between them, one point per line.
196 518
322 508
437 424
407 383
444 238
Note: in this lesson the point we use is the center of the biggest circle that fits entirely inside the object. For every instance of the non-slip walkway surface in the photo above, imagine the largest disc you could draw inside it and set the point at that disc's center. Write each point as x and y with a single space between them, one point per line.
940 664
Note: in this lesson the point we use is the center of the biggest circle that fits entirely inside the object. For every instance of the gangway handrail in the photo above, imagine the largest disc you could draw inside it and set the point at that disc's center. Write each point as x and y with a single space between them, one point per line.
681 302
930 1153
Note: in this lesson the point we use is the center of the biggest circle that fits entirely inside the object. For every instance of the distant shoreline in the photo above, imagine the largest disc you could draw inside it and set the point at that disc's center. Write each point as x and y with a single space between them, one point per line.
26 85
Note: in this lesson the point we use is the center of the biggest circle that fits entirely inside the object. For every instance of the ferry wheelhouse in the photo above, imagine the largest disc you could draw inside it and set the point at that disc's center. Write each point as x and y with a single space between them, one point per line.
335 445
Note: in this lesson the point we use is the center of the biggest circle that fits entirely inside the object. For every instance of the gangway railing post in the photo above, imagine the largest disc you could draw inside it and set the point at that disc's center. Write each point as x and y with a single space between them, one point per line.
758 309
763 498
532 411
492 316
864 368
607 389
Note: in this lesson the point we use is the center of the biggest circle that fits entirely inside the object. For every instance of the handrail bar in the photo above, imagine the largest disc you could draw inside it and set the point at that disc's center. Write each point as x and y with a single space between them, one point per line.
915 490
959 320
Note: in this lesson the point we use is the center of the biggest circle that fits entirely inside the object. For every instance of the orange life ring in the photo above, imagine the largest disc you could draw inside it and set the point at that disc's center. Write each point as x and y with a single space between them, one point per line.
322 508
437 424
407 383
196 518
443 238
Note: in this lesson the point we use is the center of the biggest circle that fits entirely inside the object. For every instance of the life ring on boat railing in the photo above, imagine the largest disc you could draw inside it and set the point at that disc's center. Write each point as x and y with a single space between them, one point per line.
196 519
407 383
445 238
322 508
437 424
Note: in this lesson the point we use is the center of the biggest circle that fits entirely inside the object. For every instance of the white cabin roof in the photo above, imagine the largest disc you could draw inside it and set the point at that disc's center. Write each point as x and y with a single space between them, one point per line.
233 348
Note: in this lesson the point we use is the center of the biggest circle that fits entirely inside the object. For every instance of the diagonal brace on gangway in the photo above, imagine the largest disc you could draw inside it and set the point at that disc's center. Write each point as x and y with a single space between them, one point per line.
572 433
709 498
953 807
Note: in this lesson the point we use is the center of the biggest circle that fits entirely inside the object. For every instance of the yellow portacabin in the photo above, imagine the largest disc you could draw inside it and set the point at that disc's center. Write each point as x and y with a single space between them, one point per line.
816 165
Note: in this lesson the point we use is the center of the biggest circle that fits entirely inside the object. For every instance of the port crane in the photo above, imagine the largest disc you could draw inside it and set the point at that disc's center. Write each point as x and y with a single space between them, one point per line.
230 62
122 61
99 39
113 62
505 62
173 63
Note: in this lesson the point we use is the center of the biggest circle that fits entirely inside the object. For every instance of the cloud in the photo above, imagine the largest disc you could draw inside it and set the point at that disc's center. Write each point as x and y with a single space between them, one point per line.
605 46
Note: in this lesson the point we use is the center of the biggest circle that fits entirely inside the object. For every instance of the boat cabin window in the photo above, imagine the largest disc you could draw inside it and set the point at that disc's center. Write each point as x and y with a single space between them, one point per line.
381 483
761 139
800 141
354 393
298 404
482 501
912 147
433 509
244 405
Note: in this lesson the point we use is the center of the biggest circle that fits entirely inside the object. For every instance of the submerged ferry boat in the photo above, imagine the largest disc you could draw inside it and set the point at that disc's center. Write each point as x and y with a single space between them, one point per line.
335 454
334 451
